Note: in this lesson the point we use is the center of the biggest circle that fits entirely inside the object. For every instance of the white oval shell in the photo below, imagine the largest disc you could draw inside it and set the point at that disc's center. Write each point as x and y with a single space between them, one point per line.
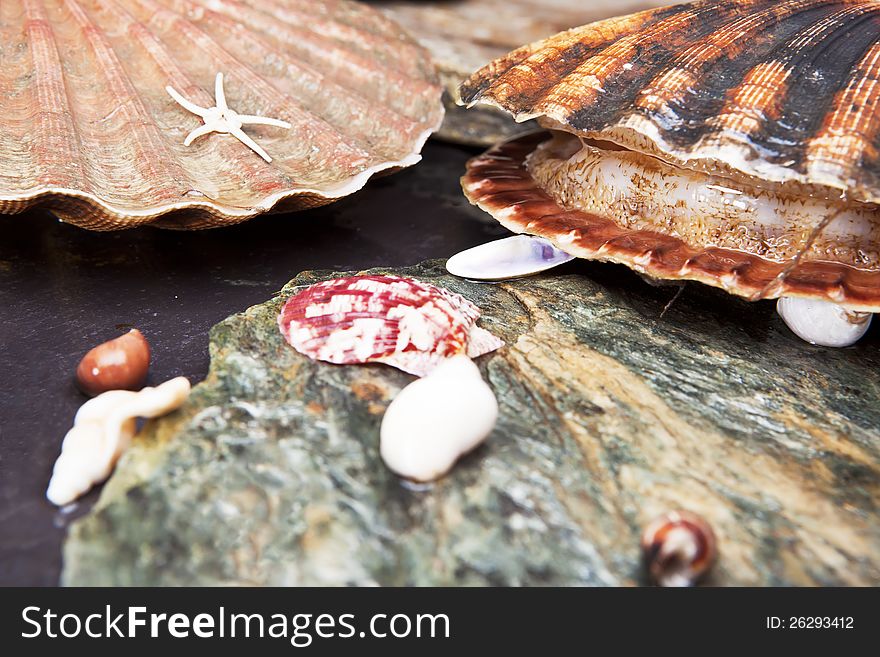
435 420
823 323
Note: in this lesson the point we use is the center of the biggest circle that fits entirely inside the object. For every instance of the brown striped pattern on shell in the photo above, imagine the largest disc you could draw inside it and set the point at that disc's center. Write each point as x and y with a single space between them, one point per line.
782 91
499 183
87 129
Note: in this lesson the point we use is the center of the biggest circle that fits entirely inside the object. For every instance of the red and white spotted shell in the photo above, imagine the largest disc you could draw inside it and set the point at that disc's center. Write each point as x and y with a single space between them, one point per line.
398 321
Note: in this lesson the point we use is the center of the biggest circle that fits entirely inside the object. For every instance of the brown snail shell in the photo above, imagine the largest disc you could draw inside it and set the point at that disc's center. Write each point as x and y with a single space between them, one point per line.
777 97
88 130
463 35
679 548
118 364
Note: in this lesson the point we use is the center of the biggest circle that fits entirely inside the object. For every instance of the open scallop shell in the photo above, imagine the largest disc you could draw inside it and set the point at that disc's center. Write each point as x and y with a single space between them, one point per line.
777 95
88 130
398 321
783 92
463 35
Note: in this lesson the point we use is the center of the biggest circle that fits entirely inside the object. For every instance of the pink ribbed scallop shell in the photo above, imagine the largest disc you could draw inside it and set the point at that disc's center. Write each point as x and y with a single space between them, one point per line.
385 319
88 130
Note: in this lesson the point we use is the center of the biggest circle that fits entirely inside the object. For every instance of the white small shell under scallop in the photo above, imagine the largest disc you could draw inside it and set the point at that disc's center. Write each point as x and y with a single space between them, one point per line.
823 323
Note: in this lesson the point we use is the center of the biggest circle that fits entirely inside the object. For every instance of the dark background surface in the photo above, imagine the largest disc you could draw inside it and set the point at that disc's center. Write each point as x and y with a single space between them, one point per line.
64 290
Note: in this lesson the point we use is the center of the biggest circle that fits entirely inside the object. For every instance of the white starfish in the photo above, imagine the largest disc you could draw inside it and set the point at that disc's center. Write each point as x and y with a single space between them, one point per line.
224 120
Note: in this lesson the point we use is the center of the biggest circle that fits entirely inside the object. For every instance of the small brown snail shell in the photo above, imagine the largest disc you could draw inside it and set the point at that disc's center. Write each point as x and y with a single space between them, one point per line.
679 548
119 364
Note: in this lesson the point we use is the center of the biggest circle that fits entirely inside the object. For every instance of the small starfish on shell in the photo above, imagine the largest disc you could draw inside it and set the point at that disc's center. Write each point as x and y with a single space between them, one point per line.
224 120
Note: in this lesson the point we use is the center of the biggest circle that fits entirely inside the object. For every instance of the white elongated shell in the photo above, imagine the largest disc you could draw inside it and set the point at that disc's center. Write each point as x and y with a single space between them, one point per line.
823 323
88 130
511 257
437 419
102 431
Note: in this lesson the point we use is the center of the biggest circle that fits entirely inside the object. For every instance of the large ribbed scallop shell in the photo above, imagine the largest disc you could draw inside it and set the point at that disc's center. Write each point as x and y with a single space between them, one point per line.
782 91
463 35
88 130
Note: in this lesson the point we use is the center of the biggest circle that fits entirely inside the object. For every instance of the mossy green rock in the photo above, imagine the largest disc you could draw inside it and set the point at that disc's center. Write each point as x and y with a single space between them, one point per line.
612 412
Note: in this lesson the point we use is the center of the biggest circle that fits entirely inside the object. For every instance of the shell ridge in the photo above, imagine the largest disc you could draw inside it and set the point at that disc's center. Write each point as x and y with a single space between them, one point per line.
606 73
694 65
758 140
151 155
483 82
404 125
816 105
345 33
303 42
853 126
161 56
384 86
748 106
695 87
353 14
55 109
530 73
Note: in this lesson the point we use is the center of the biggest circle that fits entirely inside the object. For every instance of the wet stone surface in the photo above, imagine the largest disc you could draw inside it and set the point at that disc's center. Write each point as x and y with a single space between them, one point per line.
612 412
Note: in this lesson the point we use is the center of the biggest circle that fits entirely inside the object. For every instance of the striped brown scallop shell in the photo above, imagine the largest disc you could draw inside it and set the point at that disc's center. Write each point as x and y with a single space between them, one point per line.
88 130
781 91
779 102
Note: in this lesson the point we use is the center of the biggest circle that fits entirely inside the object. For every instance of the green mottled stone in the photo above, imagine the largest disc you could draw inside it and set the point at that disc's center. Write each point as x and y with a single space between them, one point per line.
612 412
